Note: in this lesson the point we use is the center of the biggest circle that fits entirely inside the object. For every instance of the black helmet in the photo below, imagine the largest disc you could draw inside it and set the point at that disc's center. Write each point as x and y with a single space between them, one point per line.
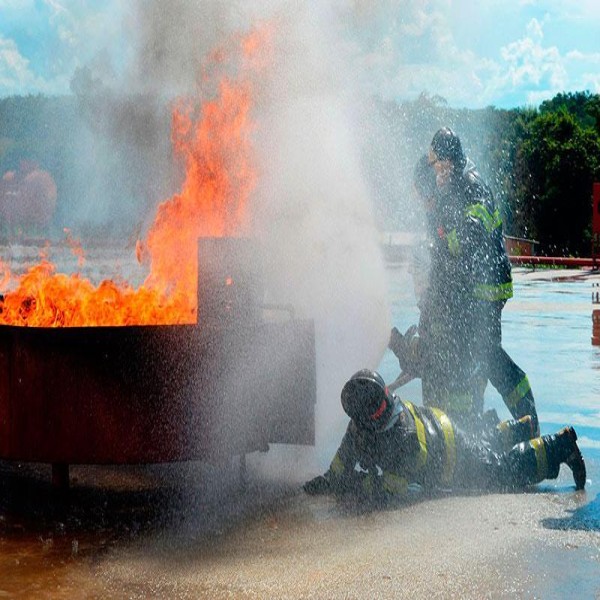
446 146
424 178
366 400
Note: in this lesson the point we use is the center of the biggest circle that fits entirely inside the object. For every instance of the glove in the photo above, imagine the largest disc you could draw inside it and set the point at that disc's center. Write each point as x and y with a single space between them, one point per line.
405 348
380 489
396 343
318 486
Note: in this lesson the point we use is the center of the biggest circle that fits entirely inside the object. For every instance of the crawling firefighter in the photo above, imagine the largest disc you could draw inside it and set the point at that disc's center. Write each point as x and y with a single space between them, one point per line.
390 443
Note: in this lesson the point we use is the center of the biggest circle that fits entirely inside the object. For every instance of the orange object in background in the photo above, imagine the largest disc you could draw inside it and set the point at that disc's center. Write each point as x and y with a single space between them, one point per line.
596 315
595 222
27 197
595 244
596 208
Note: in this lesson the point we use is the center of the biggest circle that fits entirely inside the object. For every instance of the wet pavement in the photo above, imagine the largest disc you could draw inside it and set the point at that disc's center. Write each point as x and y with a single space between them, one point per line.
194 531
189 531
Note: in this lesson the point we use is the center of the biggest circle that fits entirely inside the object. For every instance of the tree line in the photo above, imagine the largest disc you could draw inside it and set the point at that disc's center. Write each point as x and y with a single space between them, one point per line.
114 153
109 156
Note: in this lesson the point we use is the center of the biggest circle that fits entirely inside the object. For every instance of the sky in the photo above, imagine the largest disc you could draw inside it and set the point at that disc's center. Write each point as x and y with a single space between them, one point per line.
505 53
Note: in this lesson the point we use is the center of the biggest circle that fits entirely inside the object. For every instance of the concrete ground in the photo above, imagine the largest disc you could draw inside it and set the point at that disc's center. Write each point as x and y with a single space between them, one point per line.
157 533
190 532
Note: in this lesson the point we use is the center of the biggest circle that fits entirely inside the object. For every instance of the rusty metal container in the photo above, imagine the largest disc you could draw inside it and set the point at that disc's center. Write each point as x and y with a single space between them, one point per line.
143 394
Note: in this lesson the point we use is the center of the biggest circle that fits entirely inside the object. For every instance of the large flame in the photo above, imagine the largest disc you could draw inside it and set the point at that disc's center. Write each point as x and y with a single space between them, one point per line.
213 139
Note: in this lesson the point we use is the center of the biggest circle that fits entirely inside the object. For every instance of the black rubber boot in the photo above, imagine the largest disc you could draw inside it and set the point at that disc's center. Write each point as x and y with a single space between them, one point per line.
562 448
576 463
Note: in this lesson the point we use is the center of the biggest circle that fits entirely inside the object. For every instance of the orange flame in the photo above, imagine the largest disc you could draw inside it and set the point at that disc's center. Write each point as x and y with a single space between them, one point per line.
213 139
76 247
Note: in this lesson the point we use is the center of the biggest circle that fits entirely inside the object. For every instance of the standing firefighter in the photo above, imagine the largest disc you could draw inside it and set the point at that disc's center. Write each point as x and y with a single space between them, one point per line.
395 443
469 283
442 352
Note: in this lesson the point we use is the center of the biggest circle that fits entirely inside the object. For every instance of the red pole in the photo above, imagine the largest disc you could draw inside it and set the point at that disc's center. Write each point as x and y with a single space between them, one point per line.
559 261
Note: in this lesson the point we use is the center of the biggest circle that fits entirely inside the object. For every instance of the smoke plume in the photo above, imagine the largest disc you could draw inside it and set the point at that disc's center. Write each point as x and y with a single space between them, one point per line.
311 207
312 203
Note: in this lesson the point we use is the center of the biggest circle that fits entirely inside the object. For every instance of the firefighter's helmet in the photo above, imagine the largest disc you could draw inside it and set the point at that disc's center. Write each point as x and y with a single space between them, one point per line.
366 400
446 146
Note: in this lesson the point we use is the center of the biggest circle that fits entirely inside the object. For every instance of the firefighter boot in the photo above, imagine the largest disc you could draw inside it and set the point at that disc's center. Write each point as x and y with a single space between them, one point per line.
513 432
562 448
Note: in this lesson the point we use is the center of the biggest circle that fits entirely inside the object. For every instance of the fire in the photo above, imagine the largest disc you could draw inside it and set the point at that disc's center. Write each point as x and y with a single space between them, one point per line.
213 138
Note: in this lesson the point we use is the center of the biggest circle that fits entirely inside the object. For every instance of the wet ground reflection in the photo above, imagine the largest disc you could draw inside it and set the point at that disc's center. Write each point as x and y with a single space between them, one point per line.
191 531
50 540
583 518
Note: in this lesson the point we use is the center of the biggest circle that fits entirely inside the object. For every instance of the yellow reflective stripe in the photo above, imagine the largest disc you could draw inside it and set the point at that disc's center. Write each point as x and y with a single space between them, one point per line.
503 426
453 243
540 457
489 220
367 485
518 393
493 293
422 458
394 484
337 466
448 431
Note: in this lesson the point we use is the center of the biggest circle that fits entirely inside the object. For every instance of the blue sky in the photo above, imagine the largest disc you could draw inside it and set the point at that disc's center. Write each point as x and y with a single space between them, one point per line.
493 52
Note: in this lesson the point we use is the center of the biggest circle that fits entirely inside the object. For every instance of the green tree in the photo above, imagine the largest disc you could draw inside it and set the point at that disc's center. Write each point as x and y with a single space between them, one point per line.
560 161
575 103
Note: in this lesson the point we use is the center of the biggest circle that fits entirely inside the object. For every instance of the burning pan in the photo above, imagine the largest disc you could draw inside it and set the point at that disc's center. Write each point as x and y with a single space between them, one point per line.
142 394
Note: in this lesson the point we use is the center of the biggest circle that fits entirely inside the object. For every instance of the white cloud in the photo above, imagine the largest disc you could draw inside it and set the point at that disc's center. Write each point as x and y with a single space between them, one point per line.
565 9
577 56
16 76
16 4
415 51
586 442
56 7
529 62
564 418
574 9
422 47
529 68
535 98
70 32
402 47
591 82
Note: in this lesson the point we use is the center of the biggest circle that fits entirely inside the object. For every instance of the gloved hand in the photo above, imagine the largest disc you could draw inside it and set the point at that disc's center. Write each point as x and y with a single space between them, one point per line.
405 347
396 343
380 489
318 486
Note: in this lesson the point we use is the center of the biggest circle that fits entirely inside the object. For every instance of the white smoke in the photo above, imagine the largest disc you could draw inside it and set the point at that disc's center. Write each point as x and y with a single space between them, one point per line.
312 206
315 206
